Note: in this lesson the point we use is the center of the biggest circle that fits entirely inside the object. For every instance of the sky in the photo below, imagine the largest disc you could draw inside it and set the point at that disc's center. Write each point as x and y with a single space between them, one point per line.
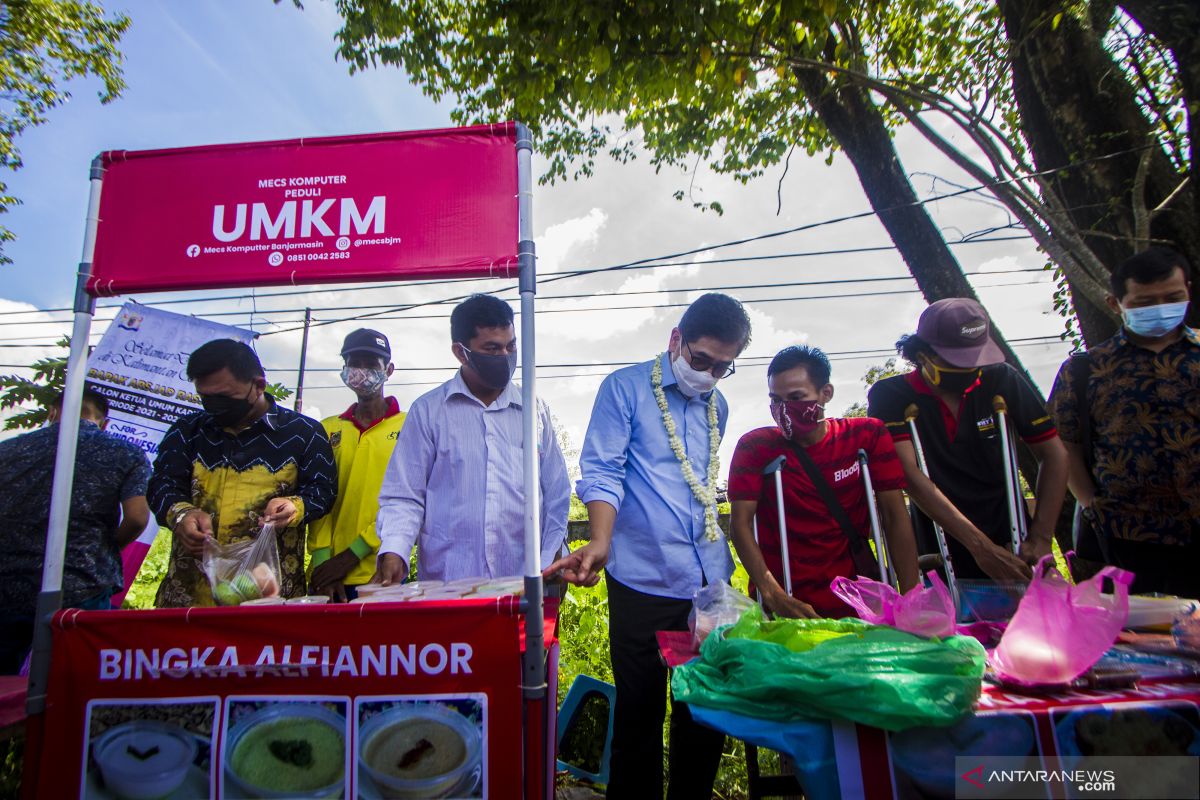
247 70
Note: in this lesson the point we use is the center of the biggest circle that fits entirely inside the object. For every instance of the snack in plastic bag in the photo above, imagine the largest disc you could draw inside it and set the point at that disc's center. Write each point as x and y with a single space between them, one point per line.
244 570
1060 630
789 669
714 605
921 610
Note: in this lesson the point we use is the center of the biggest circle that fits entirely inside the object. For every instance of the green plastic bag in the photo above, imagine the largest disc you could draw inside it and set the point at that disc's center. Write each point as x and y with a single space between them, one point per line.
833 669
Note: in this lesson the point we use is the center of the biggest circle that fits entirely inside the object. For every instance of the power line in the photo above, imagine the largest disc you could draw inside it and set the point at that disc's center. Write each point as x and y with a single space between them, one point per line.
545 278
744 361
758 360
590 295
881 353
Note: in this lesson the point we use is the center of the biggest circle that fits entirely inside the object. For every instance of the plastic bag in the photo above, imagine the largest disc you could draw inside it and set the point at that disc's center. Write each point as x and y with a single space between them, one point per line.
244 570
920 610
1186 629
790 669
1060 630
714 605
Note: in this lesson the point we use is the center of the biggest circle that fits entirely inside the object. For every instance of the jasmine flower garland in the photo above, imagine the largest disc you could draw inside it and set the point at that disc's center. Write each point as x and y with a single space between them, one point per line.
706 495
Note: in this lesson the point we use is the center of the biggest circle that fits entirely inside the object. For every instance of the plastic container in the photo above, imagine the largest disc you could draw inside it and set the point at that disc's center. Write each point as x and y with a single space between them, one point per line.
143 759
988 601
276 713
1156 613
309 600
438 785
466 585
265 601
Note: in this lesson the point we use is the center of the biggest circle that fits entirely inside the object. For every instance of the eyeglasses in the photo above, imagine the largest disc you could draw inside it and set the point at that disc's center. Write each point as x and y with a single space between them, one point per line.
719 369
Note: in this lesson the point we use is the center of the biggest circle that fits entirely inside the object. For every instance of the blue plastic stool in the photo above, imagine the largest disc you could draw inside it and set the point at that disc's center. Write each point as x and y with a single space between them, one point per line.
581 688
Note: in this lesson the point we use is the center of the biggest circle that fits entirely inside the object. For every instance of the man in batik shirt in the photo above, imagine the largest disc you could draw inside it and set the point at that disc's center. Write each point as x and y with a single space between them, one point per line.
224 472
1140 484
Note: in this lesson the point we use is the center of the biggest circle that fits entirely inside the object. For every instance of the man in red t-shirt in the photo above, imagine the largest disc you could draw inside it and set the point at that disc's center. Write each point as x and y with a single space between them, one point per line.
818 547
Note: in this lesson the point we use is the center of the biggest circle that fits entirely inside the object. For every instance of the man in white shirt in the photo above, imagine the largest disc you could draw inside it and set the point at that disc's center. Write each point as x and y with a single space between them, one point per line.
454 484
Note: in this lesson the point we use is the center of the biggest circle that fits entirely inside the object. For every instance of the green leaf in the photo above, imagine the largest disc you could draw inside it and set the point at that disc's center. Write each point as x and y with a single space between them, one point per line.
601 59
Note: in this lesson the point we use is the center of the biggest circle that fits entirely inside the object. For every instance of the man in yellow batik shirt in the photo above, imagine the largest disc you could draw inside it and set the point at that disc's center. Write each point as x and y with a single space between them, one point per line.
344 543
223 472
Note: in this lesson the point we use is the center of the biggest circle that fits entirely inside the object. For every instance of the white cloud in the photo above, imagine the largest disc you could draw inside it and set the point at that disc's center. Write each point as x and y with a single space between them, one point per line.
559 241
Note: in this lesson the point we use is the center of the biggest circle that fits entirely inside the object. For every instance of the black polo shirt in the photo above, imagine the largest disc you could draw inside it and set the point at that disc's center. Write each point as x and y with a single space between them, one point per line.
964 456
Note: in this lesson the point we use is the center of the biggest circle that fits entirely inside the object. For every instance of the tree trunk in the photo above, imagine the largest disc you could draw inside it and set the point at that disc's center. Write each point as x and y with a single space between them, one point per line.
1176 23
854 121
1077 108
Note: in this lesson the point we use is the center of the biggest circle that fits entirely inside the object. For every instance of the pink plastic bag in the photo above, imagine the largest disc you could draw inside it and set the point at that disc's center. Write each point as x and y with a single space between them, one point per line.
920 610
1060 630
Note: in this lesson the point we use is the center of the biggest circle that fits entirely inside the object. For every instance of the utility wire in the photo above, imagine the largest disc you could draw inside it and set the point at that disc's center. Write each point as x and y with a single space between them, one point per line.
544 278
591 295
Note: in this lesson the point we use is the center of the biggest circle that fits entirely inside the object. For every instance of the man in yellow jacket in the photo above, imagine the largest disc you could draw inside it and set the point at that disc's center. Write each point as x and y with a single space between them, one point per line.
343 543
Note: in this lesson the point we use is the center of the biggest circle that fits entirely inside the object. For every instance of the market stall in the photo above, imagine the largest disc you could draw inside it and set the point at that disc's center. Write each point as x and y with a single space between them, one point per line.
1051 730
203 695
1008 707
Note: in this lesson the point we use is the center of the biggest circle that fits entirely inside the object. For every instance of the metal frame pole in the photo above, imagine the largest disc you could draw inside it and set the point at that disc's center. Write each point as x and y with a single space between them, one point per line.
939 534
533 672
776 467
887 572
50 598
1016 515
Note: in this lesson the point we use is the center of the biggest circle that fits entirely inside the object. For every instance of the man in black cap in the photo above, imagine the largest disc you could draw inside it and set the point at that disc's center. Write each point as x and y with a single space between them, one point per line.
960 372
344 543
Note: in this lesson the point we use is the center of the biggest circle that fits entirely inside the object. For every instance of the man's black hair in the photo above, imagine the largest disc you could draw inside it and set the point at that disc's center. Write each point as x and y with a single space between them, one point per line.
90 397
719 316
1149 266
478 311
237 357
813 359
910 346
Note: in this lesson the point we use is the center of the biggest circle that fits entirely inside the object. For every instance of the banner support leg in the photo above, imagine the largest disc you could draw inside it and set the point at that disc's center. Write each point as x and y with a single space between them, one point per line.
533 667
50 598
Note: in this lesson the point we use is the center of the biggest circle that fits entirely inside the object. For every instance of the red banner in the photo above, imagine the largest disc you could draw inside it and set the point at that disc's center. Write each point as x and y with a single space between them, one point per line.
366 700
350 208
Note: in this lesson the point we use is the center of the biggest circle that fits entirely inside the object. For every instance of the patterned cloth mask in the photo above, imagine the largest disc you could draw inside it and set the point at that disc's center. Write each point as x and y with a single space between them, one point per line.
362 381
797 418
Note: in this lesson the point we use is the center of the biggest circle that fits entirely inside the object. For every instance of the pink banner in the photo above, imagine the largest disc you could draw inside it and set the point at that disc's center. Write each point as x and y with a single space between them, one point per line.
411 205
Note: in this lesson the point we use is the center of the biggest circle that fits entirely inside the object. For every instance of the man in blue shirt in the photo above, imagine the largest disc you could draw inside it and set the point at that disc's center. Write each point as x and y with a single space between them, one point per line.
649 466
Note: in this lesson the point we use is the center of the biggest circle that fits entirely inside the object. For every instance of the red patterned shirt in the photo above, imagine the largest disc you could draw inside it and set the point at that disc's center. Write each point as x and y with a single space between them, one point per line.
817 547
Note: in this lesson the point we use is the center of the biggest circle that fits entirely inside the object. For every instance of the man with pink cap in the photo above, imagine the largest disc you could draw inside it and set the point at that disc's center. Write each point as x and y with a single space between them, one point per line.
959 373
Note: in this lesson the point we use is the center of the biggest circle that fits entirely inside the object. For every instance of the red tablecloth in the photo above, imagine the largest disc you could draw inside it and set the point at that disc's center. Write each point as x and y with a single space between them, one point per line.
12 700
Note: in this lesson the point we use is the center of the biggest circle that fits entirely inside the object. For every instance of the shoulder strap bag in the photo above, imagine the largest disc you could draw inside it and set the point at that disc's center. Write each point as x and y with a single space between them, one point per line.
864 560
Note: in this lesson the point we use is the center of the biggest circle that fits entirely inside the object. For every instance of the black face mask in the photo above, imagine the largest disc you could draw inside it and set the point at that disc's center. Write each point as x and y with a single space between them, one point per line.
227 411
494 371
952 380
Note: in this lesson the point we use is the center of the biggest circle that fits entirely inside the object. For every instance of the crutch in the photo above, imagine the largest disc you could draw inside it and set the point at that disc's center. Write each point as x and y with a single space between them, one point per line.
910 416
757 590
1016 514
887 572
776 468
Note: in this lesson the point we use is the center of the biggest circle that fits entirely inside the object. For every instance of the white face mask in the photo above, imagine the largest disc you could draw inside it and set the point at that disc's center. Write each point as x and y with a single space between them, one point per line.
691 381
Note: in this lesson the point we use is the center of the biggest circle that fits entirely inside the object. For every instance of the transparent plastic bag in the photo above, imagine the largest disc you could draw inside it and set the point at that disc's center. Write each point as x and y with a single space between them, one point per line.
715 605
1060 630
244 570
925 611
